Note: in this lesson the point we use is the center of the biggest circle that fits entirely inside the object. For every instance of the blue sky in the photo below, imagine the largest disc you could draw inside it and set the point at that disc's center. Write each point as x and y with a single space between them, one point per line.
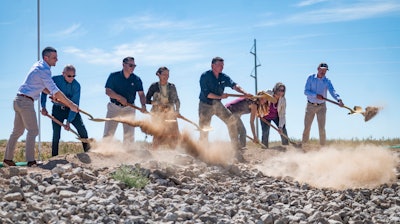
360 41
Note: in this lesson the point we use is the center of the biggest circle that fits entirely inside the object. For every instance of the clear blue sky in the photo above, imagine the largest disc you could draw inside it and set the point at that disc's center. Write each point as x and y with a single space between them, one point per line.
360 41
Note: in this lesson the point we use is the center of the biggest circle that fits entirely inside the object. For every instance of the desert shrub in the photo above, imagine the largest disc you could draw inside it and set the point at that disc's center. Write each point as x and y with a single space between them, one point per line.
131 176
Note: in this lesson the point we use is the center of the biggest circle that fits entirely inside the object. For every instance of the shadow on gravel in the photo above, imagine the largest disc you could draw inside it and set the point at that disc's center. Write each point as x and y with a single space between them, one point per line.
53 163
84 158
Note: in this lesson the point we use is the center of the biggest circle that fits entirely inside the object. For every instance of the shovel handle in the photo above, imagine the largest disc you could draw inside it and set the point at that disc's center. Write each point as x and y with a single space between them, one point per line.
62 125
137 108
285 136
80 110
267 97
334 102
252 139
192 122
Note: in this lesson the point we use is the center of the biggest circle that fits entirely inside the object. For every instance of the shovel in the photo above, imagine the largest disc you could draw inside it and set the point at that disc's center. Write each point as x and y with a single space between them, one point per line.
84 140
80 110
193 123
368 114
264 95
295 144
259 143
146 112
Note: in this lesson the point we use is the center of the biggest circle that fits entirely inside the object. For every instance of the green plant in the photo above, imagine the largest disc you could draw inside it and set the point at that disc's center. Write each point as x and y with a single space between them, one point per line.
131 176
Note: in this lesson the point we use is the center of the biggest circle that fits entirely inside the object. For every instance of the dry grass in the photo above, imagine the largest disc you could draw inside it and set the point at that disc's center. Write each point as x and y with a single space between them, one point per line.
45 152
76 147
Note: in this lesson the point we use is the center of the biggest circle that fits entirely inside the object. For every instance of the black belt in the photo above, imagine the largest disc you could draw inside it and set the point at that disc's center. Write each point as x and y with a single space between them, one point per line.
23 95
116 103
315 104
61 107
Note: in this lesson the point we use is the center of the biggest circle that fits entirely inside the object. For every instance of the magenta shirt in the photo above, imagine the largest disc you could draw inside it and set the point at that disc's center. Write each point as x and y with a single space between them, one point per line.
273 112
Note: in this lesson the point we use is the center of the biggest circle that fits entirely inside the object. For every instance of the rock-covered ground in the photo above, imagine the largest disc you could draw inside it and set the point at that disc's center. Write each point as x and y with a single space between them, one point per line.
80 189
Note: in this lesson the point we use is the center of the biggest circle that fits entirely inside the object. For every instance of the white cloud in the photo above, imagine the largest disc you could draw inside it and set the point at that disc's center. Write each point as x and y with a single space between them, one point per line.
150 52
309 2
147 22
74 30
347 12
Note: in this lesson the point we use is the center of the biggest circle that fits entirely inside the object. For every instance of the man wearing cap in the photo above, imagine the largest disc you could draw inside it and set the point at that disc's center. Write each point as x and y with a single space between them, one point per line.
316 89
212 85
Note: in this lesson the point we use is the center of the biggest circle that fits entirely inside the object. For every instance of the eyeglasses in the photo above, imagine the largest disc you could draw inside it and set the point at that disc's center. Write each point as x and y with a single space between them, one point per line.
131 65
71 76
281 90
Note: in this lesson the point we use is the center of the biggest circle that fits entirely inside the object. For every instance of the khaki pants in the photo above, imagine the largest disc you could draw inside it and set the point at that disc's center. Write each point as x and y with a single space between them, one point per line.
110 127
311 111
25 118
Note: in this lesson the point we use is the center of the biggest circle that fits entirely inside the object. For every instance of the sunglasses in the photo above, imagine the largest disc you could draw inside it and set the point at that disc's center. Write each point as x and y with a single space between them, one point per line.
131 65
281 90
71 76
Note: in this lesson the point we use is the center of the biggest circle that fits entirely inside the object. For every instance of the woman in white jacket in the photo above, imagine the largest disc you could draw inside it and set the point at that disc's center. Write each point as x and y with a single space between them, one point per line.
276 113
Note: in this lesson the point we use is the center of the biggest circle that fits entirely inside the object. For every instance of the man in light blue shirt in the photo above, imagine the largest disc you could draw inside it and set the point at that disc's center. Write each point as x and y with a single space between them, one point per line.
72 89
316 89
38 80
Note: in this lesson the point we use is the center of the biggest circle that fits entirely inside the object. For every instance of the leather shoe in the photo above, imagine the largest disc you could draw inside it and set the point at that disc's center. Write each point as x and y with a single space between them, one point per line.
9 162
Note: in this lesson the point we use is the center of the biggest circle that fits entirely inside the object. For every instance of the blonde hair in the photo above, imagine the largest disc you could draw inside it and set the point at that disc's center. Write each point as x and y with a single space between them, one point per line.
262 109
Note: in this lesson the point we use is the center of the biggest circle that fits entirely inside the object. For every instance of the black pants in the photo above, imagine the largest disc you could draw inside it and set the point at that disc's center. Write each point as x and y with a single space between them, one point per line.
265 132
61 113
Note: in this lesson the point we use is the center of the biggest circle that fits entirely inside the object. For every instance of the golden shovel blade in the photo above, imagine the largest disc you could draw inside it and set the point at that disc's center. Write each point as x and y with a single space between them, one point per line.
357 109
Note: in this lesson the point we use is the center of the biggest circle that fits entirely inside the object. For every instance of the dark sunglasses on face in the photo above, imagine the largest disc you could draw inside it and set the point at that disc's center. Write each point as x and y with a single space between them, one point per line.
281 90
71 76
131 65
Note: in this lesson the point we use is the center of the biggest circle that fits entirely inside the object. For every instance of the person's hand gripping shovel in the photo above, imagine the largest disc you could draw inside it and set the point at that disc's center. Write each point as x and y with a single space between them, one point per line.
84 140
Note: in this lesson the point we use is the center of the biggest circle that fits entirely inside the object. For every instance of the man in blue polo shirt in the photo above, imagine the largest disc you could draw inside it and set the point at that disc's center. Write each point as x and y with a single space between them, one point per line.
121 87
316 89
72 90
212 86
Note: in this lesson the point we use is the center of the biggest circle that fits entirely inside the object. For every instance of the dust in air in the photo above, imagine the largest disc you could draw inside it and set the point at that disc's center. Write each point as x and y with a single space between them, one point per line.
337 167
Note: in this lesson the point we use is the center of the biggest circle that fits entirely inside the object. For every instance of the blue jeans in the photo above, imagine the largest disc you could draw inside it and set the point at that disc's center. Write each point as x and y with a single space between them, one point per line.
61 114
265 132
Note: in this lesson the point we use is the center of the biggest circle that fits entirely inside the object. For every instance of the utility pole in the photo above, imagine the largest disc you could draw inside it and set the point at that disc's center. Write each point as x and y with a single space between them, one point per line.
255 75
38 58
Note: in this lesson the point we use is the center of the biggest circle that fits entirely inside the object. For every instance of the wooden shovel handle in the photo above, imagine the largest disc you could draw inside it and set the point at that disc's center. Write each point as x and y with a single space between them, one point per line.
334 102
285 136
62 125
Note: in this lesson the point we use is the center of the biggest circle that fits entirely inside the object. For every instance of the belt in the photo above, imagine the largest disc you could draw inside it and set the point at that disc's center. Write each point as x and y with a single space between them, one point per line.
23 95
62 107
315 104
117 103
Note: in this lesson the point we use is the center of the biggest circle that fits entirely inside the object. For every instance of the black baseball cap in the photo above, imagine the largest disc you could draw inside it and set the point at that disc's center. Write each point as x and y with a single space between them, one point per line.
323 65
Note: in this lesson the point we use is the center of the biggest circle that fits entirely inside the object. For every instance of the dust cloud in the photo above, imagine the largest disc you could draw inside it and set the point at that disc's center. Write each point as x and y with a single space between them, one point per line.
116 153
337 167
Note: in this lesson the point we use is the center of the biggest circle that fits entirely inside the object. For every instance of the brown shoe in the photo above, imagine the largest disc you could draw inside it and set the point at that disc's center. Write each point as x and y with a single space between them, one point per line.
9 162
32 163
